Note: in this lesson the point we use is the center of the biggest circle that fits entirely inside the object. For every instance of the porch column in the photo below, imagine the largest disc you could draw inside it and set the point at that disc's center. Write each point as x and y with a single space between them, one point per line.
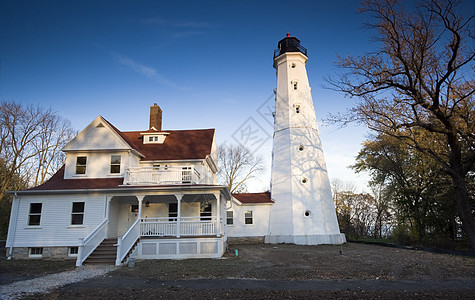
218 213
178 214
139 214
106 213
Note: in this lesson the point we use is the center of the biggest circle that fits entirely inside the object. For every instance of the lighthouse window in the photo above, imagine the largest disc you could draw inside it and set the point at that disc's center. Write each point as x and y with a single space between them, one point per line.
295 85
297 109
301 148
293 66
304 180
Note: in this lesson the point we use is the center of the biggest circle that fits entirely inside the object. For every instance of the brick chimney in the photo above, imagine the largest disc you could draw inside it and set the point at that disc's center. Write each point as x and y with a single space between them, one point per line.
156 117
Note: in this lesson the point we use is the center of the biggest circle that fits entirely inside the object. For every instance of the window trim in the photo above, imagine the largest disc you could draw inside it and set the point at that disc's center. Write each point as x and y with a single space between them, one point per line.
35 255
206 211
246 218
112 164
70 254
229 218
75 213
81 165
35 214
172 214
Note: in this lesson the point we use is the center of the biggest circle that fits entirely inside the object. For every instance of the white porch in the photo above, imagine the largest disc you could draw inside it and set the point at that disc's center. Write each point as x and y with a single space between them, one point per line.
160 225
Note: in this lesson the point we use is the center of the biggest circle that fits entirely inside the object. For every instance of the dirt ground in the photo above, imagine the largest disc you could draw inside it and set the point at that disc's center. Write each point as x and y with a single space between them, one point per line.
286 271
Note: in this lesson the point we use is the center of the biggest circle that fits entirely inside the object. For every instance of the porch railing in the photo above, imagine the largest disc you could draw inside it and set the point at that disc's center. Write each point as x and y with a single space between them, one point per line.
189 226
127 241
91 242
162 175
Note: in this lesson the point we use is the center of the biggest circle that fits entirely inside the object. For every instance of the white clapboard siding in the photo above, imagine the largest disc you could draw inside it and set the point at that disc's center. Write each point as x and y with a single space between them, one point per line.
260 220
99 138
55 227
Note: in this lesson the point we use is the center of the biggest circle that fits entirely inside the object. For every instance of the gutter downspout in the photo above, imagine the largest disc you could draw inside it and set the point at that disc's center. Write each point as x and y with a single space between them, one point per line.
12 226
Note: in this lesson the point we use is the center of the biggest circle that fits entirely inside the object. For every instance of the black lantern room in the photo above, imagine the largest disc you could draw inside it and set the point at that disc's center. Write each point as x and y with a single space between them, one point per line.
289 44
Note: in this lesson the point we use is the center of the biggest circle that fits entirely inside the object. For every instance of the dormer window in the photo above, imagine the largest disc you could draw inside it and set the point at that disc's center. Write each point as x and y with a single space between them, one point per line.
153 137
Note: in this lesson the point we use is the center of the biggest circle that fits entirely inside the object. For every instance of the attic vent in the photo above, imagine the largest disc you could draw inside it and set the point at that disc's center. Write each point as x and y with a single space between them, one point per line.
100 125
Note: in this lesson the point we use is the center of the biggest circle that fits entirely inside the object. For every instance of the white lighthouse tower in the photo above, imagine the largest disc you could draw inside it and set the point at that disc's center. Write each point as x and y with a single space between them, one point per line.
303 212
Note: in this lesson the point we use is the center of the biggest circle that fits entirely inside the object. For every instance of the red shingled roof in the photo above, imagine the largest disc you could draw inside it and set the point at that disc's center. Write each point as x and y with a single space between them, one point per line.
179 144
249 198
57 182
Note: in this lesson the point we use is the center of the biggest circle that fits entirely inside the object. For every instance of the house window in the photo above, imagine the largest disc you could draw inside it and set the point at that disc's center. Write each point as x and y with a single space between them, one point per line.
115 164
73 251
248 217
150 138
36 252
205 211
77 215
34 217
186 175
172 211
134 208
230 217
81 165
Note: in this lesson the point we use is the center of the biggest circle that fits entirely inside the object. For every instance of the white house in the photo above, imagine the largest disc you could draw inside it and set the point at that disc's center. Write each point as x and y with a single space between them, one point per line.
148 194
153 194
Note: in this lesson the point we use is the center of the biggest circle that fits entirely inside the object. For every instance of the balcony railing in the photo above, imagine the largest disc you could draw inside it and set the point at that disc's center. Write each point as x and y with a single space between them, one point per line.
290 48
189 226
163 175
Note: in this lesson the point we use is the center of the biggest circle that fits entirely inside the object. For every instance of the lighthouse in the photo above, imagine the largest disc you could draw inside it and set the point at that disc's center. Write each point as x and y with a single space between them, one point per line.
303 212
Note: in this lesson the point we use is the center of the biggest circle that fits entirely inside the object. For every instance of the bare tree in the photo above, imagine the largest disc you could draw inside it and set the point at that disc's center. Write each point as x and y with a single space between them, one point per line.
30 139
237 165
419 87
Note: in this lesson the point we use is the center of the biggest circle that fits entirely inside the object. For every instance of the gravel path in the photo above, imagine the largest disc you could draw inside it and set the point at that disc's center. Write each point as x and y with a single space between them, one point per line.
47 283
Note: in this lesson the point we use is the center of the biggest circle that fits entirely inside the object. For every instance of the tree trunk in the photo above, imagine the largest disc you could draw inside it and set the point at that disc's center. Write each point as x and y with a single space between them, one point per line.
464 207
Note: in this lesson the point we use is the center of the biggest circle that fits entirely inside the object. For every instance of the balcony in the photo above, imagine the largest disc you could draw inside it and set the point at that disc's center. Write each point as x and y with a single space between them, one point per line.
165 175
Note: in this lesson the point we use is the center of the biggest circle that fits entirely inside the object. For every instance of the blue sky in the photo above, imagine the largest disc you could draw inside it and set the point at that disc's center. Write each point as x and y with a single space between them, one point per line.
208 64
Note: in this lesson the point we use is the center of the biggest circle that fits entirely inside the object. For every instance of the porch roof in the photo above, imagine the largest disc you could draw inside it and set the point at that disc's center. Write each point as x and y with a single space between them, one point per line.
253 198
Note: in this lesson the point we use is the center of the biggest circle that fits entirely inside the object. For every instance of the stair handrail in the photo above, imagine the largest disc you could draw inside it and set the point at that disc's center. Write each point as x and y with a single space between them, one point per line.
88 244
127 241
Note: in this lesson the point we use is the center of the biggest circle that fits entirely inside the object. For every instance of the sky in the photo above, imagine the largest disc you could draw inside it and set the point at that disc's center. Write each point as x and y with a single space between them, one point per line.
208 64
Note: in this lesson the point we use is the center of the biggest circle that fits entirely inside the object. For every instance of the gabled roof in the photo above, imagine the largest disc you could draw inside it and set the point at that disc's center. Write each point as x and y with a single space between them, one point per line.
102 140
178 145
254 198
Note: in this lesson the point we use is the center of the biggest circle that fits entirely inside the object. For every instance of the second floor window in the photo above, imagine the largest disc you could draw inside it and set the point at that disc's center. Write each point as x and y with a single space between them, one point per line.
115 164
81 165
